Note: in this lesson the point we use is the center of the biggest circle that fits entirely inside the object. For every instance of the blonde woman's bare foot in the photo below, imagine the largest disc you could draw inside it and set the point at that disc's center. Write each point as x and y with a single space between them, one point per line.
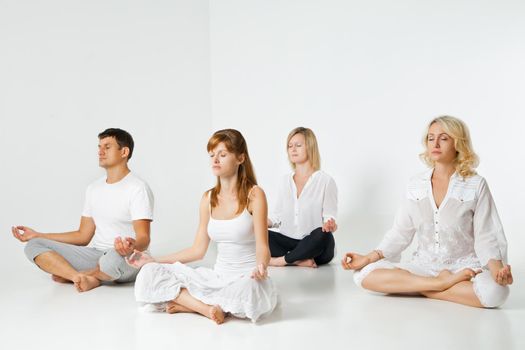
279 261
173 308
306 263
83 283
60 279
447 279
216 314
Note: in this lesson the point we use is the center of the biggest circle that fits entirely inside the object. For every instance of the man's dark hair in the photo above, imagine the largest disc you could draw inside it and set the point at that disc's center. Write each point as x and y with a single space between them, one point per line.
122 137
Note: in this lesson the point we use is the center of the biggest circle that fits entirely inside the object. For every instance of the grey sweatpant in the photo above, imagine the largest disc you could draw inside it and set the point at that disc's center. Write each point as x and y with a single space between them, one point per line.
85 258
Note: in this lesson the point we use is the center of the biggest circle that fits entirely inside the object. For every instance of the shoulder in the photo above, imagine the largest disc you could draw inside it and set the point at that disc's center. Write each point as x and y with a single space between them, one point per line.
134 185
417 186
255 193
323 178
465 189
205 199
136 181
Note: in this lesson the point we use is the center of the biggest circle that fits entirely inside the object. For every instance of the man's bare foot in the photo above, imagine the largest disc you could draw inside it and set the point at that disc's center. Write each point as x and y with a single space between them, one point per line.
60 279
278 261
306 263
173 308
83 283
447 279
216 314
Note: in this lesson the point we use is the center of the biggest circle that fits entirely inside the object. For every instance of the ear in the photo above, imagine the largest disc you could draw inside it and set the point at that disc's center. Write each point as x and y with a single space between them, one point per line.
124 152
241 158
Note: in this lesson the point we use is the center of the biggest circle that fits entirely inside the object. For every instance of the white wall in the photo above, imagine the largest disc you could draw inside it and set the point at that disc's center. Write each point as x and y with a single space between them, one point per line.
70 69
367 76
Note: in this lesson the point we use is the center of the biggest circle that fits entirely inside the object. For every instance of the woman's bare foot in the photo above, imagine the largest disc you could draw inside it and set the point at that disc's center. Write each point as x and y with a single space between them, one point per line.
83 283
447 279
278 261
60 279
173 308
306 263
216 314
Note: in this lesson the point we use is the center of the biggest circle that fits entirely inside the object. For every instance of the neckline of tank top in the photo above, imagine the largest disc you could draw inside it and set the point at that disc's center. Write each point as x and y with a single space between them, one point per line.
235 217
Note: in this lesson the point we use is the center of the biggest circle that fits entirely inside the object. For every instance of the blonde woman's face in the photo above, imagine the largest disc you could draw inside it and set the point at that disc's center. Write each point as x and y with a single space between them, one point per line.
297 149
440 146
223 162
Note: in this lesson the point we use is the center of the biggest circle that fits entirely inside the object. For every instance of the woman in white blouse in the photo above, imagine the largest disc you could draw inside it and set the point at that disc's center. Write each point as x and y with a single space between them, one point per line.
306 208
462 250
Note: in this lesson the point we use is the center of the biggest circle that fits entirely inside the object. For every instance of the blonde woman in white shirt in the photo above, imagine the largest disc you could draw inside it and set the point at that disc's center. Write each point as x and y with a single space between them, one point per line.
306 208
462 250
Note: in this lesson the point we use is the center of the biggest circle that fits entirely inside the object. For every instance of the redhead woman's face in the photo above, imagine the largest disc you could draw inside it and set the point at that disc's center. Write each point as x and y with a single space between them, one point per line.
297 149
440 146
223 162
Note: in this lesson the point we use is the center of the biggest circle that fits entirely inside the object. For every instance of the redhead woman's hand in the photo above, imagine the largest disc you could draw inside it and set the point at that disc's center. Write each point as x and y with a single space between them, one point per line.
330 226
139 259
354 261
260 273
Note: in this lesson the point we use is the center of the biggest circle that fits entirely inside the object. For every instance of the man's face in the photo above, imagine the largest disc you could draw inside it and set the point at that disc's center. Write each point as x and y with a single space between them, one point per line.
109 153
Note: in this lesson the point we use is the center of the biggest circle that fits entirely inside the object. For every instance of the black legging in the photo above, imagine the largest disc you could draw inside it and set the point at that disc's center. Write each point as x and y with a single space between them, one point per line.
318 245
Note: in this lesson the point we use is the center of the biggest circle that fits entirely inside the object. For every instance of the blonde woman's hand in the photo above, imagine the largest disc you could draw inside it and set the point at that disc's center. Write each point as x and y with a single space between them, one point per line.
354 261
330 226
503 276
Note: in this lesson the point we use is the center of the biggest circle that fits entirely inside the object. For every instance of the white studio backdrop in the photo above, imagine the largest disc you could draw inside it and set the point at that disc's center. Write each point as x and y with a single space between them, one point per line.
70 69
365 76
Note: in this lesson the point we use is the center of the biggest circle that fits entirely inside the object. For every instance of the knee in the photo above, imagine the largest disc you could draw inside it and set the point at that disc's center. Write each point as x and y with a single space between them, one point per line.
112 264
319 236
489 293
35 247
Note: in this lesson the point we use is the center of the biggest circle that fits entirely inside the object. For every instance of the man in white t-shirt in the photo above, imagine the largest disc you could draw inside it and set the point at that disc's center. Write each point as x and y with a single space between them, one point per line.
115 221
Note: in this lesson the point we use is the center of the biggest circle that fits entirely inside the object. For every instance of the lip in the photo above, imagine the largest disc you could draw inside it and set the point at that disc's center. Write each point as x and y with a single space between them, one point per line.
216 166
436 152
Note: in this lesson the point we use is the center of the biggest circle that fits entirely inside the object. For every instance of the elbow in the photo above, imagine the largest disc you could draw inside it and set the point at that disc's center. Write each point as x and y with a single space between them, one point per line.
198 254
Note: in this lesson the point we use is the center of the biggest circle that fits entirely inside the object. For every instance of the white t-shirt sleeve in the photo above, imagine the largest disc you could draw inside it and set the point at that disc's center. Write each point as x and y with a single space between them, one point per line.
141 205
330 201
489 239
87 204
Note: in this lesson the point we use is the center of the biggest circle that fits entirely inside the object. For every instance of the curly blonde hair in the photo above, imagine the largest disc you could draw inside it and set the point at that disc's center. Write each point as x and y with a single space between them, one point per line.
466 159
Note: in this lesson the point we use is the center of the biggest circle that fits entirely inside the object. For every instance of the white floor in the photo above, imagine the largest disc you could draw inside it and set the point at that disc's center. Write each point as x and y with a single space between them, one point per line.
319 309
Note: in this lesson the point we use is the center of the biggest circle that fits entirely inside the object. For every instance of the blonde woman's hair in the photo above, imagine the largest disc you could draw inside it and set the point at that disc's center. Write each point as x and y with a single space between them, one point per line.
466 159
312 150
